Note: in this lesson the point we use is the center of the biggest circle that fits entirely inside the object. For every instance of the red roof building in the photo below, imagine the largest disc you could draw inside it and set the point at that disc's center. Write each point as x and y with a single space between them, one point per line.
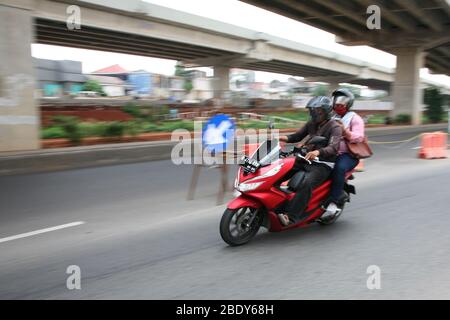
114 69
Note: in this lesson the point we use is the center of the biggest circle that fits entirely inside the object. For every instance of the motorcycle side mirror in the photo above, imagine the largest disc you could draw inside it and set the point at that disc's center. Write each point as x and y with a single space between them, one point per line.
318 141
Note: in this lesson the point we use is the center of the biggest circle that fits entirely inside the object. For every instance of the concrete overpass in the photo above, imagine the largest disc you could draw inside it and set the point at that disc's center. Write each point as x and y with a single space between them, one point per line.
140 28
416 31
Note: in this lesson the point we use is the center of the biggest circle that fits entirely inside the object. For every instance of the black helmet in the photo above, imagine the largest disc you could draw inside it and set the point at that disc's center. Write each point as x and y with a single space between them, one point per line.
320 102
347 97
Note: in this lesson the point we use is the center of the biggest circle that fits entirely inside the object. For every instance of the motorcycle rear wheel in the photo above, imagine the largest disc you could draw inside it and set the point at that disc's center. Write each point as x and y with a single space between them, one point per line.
239 226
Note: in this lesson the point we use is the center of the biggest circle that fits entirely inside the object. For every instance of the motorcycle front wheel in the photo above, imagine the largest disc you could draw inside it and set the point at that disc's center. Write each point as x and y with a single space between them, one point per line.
239 226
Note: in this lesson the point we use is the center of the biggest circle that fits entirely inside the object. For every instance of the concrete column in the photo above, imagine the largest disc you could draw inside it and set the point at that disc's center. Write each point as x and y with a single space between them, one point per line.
406 91
332 86
19 120
222 81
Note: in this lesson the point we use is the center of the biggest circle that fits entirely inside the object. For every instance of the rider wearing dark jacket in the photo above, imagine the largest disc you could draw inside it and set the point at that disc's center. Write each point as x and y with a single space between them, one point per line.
310 176
329 129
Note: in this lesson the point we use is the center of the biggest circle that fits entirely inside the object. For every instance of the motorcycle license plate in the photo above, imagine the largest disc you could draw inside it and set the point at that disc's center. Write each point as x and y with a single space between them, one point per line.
249 165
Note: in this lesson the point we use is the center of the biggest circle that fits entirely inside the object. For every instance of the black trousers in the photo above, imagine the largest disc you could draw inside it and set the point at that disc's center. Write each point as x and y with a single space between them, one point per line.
315 175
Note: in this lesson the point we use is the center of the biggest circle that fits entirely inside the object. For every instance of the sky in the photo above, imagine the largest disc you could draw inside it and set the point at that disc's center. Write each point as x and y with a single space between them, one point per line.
233 12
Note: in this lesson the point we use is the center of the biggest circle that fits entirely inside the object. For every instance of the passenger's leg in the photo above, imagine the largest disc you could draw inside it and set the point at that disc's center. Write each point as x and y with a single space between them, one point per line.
344 163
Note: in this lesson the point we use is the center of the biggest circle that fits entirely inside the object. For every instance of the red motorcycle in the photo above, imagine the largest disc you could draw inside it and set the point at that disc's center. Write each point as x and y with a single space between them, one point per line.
261 184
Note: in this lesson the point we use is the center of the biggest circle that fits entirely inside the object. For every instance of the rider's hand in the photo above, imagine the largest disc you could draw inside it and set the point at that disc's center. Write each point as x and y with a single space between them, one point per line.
283 138
312 155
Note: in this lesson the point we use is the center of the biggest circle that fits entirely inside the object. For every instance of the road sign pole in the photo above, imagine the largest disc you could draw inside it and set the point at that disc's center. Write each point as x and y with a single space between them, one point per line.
223 187
218 134
194 181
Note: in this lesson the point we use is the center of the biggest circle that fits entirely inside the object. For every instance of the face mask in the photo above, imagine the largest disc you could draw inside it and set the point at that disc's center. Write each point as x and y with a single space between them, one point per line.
340 109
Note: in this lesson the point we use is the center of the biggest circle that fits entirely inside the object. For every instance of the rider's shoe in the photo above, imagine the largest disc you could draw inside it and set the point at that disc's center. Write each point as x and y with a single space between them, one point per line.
331 211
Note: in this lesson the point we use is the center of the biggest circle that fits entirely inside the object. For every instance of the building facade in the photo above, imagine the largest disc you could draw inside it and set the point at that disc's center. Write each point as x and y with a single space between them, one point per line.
56 78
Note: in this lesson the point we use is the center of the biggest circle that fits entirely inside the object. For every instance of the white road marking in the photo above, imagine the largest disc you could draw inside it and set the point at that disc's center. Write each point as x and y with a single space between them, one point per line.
33 233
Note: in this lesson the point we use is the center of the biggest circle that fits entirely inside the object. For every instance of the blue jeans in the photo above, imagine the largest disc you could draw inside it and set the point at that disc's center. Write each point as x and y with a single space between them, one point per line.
344 163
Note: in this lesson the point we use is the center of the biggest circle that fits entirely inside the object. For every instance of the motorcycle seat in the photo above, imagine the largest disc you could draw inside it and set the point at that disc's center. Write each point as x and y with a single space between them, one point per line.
322 187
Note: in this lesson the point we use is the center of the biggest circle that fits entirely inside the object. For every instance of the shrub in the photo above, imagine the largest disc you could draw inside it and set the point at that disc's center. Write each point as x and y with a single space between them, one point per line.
160 112
53 133
388 120
173 125
403 119
132 110
150 127
133 128
93 129
71 127
434 101
114 129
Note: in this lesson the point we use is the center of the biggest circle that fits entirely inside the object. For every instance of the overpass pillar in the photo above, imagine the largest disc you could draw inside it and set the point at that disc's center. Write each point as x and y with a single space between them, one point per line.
406 90
332 86
19 120
222 82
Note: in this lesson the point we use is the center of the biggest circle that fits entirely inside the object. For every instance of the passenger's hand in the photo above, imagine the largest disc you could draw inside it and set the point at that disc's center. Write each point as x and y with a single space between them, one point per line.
312 155
283 138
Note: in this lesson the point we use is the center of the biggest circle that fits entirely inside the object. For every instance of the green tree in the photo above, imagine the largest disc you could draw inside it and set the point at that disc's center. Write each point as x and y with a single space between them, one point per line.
434 101
93 85
320 90
180 71
188 86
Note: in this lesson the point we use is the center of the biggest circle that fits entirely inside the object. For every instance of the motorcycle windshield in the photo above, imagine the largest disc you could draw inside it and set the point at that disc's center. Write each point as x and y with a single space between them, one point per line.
267 152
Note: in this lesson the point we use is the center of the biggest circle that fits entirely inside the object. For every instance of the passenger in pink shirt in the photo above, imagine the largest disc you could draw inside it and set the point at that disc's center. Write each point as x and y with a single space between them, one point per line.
352 131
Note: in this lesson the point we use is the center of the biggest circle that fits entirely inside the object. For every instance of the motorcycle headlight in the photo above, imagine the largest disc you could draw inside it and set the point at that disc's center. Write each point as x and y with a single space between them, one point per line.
244 187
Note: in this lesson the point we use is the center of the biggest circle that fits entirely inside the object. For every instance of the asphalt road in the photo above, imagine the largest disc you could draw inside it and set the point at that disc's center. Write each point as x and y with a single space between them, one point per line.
140 238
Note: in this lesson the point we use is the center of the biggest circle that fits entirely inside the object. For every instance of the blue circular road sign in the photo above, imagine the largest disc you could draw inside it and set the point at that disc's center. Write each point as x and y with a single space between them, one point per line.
218 132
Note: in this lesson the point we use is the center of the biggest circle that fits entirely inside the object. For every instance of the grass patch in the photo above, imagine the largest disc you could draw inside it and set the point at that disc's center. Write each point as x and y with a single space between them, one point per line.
376 119
299 115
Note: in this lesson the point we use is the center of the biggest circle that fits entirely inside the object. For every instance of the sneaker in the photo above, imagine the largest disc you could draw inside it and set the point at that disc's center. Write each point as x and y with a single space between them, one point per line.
331 211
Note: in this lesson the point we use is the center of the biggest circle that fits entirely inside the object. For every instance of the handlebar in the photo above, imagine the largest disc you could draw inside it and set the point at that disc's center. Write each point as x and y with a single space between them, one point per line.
302 157
297 152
